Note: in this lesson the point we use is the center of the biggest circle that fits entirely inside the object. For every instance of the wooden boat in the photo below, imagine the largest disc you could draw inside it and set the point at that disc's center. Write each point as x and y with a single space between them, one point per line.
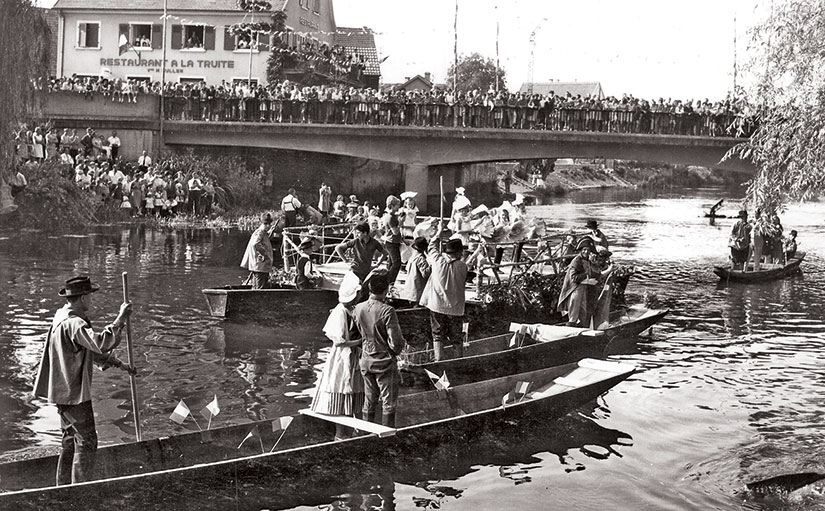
523 348
268 306
766 273
215 469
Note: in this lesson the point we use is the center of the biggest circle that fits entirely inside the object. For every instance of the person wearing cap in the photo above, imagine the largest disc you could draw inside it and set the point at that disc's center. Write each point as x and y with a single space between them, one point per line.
391 236
789 246
418 272
739 241
595 234
258 255
381 342
341 385
290 205
64 376
363 248
579 292
444 293
303 267
408 213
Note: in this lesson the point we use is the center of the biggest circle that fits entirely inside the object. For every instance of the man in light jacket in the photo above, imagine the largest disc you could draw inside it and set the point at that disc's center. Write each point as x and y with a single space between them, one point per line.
258 255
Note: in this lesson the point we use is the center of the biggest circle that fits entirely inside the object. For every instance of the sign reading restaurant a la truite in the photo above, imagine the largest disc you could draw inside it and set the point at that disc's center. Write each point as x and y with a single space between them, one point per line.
172 65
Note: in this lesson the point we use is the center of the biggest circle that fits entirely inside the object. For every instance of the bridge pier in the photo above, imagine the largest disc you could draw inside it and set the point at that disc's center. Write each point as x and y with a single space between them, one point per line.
417 179
425 179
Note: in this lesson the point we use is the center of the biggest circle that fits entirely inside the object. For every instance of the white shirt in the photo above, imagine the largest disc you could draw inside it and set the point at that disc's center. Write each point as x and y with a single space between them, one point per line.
145 160
290 203
114 141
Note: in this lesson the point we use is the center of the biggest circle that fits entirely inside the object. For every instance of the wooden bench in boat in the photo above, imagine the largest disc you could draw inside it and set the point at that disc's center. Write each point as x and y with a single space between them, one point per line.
352 422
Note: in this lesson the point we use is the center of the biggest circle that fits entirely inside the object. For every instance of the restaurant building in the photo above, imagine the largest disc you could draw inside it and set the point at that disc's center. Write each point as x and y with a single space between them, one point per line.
199 45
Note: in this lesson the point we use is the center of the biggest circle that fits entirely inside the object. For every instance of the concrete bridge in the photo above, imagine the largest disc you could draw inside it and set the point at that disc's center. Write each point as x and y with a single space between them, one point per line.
420 149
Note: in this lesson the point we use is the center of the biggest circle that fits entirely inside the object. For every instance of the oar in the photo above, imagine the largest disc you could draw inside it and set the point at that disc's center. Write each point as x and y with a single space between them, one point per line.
129 359
784 483
441 214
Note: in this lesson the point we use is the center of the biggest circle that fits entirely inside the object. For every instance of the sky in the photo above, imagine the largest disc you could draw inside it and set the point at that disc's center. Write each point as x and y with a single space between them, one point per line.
650 49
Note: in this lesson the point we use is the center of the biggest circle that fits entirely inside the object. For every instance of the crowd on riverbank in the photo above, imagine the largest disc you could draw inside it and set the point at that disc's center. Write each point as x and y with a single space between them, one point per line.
288 102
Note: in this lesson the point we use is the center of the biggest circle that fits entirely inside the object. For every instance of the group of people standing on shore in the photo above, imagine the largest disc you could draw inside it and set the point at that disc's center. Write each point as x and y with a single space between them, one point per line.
760 240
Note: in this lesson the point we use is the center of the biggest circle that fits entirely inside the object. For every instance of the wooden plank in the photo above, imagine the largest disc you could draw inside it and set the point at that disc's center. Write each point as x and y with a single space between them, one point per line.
604 365
352 422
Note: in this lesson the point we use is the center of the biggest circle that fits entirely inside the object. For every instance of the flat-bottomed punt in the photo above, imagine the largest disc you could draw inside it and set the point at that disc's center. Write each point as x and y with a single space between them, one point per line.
208 469
766 272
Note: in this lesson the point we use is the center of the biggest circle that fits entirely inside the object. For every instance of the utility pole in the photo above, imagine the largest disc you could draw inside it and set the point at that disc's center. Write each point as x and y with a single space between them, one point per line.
497 62
162 77
734 53
532 61
455 50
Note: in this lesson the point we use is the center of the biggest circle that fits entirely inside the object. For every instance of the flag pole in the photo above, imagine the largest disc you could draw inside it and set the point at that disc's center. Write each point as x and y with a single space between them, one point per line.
129 359
162 76
455 52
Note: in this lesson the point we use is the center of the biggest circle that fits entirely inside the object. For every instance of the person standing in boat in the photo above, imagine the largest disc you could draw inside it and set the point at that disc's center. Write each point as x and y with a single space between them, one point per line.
363 248
408 214
579 290
324 204
391 230
418 272
444 293
290 206
789 246
258 255
739 241
65 375
304 272
341 385
381 342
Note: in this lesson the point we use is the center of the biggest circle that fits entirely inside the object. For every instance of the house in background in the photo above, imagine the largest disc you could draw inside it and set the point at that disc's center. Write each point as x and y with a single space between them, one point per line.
583 89
199 44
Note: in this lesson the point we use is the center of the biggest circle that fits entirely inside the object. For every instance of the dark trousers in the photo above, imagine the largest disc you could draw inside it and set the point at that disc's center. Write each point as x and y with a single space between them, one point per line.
77 458
394 253
258 279
290 218
382 387
446 329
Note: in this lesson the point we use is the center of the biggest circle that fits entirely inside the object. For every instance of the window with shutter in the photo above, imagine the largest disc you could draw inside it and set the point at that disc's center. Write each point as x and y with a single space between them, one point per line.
88 34
209 38
177 37
157 37
228 39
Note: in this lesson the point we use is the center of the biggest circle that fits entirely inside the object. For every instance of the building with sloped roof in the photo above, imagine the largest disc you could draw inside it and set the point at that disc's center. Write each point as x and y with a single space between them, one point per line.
359 43
196 36
583 89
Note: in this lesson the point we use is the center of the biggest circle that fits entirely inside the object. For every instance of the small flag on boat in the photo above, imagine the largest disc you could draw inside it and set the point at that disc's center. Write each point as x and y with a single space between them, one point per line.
281 424
212 409
252 433
181 413
522 388
508 398
518 336
440 382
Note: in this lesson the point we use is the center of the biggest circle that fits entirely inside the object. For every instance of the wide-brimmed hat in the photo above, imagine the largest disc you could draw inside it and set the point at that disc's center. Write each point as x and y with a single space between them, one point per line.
453 246
77 286
420 243
350 286
459 190
592 224
742 213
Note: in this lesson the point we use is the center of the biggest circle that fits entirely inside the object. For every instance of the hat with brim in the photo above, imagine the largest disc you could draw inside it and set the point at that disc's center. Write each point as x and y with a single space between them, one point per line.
350 286
460 190
591 224
453 246
479 209
461 202
420 244
408 195
77 286
742 213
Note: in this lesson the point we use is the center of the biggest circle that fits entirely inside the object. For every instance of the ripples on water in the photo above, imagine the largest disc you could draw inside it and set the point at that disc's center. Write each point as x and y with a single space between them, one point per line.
730 386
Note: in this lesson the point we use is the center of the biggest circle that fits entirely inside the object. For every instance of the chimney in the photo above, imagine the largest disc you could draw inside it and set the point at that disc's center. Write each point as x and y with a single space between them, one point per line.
427 77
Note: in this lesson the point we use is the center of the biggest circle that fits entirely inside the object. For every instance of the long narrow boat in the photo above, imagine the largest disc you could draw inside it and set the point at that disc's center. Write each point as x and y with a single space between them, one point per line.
523 348
269 306
217 469
766 273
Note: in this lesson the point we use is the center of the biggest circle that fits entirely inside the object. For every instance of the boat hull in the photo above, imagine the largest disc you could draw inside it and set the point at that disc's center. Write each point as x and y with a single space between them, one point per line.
272 307
188 472
727 274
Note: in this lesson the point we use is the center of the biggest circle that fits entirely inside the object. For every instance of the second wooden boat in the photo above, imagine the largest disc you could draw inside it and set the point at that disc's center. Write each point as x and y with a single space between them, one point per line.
766 273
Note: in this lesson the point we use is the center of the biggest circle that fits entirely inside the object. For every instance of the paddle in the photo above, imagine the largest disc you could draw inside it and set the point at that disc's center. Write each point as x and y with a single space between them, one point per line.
784 483
441 213
132 380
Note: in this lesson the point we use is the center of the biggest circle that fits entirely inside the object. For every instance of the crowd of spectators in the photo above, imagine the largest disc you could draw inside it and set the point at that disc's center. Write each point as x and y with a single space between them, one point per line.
288 102
93 162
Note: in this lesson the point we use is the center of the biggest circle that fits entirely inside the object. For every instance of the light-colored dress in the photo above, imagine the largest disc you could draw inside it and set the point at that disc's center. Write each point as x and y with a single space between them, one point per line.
341 386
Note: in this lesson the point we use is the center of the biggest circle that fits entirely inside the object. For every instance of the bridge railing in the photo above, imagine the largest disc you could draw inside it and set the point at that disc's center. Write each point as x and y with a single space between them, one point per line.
322 111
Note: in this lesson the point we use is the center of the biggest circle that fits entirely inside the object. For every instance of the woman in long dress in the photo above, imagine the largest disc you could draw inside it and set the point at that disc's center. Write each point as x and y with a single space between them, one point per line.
341 386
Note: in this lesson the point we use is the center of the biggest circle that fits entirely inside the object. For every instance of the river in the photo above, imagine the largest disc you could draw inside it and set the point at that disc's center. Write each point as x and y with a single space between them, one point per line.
729 388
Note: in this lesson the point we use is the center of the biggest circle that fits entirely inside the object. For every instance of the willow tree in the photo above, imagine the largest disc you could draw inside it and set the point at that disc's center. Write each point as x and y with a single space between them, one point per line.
788 68
24 60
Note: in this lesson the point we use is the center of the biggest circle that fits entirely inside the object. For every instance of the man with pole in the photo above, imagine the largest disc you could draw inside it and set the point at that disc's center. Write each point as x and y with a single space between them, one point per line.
65 374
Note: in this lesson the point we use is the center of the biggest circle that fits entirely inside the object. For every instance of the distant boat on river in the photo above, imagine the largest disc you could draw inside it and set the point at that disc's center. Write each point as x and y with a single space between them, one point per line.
766 272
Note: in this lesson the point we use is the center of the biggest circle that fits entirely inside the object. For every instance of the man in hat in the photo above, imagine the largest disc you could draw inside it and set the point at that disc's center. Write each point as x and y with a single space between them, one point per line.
324 203
303 268
381 342
290 205
739 241
258 255
364 248
595 234
444 293
418 272
65 375
578 295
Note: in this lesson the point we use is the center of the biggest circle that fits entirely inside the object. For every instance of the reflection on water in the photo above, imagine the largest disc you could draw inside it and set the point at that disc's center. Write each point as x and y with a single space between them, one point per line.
730 387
